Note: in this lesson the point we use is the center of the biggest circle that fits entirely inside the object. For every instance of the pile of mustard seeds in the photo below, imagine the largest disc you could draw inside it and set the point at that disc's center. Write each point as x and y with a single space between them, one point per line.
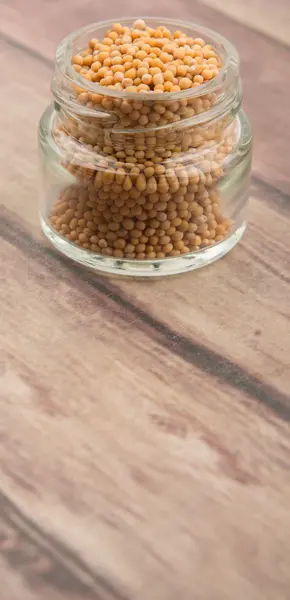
143 59
142 200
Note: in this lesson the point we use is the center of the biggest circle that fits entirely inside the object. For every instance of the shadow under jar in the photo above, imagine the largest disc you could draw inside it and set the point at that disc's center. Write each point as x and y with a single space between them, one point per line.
144 184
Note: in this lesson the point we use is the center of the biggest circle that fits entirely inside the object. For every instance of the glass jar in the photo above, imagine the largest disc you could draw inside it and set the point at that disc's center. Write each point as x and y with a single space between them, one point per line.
144 184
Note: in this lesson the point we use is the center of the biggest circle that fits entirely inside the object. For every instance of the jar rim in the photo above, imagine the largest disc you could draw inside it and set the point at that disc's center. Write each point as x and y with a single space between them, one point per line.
219 42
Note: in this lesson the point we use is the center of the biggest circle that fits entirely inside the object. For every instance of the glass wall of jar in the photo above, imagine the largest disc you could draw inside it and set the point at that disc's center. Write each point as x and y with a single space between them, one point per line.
144 184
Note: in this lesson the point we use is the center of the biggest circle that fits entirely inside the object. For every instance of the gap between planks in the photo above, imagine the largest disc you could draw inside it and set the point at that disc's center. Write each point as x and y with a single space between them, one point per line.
209 361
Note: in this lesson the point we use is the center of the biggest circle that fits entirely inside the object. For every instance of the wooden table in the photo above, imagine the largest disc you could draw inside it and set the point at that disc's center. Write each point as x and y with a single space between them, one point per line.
145 425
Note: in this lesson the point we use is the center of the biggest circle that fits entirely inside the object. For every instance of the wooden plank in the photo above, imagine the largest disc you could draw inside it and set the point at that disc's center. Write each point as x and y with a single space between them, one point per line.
33 563
206 356
13 585
250 313
272 19
133 447
265 79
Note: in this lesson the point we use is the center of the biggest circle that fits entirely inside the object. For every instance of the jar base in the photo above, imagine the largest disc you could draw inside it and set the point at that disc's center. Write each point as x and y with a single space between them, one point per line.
142 268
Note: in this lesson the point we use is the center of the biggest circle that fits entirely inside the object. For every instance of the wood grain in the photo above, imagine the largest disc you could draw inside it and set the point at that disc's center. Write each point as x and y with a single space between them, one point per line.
130 465
272 19
144 428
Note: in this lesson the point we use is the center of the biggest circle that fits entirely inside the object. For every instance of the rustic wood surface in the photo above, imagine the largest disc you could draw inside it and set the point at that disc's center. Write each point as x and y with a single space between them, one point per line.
144 428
